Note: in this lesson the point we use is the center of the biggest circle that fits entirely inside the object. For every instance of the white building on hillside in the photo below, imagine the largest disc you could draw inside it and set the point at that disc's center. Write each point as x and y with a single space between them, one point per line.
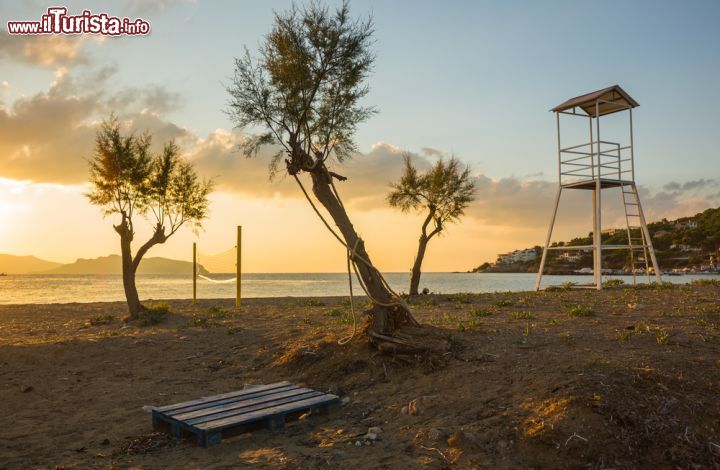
687 224
570 256
517 256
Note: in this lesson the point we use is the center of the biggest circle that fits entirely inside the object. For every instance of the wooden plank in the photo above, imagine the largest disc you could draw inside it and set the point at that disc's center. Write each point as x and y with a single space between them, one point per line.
246 418
167 408
253 408
224 401
239 404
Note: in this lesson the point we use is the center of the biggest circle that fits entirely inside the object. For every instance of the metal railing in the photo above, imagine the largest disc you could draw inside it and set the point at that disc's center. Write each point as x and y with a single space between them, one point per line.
595 159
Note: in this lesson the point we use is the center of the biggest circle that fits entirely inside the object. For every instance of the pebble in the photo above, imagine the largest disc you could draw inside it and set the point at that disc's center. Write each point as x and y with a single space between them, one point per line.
435 434
27 388
422 404
358 444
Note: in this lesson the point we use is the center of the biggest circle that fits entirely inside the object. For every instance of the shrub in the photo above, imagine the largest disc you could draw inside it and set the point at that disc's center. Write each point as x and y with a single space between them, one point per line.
471 324
339 317
624 335
579 310
503 303
460 297
654 286
314 303
101 320
153 314
613 283
217 312
479 313
197 320
231 330
521 316
706 282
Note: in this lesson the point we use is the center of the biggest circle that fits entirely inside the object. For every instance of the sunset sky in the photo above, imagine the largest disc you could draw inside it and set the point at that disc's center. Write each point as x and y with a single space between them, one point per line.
471 78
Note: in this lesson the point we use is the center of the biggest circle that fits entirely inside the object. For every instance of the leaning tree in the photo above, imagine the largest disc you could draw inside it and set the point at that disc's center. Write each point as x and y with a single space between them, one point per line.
442 193
129 181
304 93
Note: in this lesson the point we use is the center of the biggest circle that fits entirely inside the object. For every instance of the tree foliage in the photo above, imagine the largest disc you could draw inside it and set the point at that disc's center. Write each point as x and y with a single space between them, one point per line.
128 180
304 90
445 190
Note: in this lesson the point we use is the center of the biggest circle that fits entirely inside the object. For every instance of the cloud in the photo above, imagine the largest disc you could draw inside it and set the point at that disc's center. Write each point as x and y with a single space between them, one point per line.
48 137
432 152
152 97
690 185
681 199
369 175
43 50
151 7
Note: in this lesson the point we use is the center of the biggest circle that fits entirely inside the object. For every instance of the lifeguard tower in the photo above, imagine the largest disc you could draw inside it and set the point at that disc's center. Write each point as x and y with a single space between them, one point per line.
598 164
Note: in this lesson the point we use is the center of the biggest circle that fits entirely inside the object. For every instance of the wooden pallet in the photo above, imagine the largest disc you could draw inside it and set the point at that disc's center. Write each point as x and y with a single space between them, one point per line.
268 405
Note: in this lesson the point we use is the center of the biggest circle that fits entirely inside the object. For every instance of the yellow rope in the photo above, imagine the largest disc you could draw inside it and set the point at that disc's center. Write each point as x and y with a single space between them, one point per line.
353 256
343 341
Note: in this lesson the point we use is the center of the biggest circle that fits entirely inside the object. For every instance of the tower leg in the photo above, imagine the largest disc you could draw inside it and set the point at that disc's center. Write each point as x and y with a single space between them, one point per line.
645 230
597 235
547 240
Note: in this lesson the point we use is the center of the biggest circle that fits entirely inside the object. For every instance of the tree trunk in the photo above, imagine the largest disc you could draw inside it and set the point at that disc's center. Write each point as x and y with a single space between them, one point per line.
128 273
130 264
415 276
385 319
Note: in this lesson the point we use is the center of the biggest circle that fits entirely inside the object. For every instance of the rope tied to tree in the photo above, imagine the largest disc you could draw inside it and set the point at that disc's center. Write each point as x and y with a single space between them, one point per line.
352 258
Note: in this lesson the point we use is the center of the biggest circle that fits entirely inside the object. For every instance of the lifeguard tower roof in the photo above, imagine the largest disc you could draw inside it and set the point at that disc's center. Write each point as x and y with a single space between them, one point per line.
612 100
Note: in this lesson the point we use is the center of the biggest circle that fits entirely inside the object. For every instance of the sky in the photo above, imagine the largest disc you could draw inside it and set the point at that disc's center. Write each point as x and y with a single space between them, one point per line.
474 79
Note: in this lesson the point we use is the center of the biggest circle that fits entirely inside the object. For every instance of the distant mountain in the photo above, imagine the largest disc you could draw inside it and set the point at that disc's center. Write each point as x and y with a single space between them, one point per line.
112 264
12 264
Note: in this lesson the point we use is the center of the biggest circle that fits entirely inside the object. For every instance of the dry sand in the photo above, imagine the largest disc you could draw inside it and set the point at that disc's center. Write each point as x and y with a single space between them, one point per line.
633 384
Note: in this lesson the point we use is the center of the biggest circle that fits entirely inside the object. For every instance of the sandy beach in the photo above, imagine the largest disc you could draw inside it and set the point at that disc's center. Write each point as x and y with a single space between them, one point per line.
621 378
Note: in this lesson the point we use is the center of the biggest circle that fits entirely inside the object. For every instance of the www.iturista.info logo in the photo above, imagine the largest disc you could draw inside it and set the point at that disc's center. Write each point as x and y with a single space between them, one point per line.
57 21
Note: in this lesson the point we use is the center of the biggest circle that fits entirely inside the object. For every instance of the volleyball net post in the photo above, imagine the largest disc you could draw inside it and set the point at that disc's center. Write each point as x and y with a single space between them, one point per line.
238 283
194 273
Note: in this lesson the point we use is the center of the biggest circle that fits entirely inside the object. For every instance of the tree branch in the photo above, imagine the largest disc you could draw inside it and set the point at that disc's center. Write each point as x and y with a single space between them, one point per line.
157 238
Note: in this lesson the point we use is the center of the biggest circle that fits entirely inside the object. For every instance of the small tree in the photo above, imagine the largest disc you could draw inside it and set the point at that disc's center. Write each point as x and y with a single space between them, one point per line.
304 92
129 181
444 191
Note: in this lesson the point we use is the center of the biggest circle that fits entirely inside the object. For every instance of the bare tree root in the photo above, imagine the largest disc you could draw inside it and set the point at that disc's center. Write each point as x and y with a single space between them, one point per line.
412 339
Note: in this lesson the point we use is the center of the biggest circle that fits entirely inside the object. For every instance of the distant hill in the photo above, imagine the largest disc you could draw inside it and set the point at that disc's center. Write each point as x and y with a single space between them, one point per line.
12 264
682 243
112 264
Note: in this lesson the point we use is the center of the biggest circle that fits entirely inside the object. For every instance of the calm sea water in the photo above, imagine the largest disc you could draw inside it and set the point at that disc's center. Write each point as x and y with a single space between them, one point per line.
43 288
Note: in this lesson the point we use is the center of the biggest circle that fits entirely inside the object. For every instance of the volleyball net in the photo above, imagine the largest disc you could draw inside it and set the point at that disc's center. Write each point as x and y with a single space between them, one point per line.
223 267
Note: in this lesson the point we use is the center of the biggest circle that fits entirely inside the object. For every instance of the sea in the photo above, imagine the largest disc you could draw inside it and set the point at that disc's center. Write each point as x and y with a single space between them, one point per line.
69 288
